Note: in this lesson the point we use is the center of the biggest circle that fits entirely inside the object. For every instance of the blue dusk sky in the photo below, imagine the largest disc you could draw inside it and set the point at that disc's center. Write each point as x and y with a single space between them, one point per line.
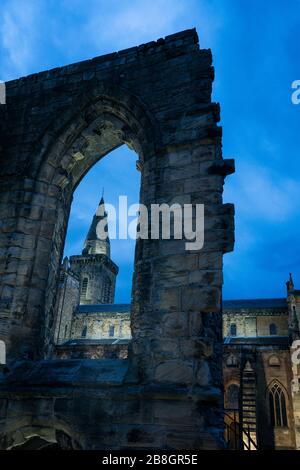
255 47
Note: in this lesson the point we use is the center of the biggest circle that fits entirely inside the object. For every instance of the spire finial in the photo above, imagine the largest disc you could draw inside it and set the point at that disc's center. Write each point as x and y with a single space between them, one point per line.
102 197
290 283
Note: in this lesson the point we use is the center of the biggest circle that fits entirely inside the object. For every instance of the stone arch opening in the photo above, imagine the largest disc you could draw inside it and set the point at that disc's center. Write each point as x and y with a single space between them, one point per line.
101 126
39 438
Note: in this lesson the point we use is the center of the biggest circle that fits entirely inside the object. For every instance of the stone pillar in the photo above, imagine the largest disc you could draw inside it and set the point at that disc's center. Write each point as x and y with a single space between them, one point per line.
176 318
30 267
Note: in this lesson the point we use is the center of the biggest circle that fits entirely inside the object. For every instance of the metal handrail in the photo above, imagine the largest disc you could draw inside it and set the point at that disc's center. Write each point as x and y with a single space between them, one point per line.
238 433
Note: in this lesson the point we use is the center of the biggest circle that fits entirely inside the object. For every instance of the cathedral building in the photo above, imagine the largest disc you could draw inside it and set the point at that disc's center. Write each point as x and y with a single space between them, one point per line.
261 381
87 320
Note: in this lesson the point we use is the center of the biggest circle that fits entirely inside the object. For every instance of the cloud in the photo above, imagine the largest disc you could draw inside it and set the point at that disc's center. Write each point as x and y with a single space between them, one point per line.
263 194
19 32
131 23
39 34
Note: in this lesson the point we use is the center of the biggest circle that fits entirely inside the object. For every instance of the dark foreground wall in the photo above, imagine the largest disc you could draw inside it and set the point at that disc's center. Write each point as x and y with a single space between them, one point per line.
156 98
91 403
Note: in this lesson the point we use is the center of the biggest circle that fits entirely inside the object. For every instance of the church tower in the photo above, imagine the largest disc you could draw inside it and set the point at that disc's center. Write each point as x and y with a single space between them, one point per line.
93 245
94 267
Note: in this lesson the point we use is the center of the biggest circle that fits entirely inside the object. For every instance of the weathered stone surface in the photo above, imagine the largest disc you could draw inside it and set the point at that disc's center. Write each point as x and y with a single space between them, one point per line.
176 372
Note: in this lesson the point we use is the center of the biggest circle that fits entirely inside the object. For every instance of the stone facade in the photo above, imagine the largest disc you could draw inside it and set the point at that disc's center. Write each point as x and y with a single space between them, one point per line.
258 370
55 125
67 302
97 323
256 317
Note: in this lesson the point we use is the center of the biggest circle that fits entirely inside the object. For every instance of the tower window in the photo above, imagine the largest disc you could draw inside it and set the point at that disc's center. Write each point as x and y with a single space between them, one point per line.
66 330
84 287
277 406
111 330
106 291
233 329
84 332
273 329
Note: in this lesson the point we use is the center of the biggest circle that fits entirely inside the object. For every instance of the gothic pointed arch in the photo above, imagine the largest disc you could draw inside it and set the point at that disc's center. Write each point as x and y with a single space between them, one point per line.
277 400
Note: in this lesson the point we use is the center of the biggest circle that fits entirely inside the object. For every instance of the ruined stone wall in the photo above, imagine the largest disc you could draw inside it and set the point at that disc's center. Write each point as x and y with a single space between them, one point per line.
156 98
92 351
67 301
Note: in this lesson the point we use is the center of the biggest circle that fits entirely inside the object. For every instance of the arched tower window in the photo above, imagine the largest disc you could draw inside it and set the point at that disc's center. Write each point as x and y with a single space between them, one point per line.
84 287
84 332
233 329
277 405
273 329
106 290
232 397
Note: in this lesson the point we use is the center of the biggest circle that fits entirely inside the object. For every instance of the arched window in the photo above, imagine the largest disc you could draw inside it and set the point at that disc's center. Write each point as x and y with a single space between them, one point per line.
66 330
2 352
232 329
111 330
232 361
277 406
232 397
84 332
106 291
273 329
84 287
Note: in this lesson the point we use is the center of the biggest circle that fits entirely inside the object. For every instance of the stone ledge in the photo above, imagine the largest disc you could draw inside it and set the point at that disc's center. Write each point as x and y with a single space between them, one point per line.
48 376
66 373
